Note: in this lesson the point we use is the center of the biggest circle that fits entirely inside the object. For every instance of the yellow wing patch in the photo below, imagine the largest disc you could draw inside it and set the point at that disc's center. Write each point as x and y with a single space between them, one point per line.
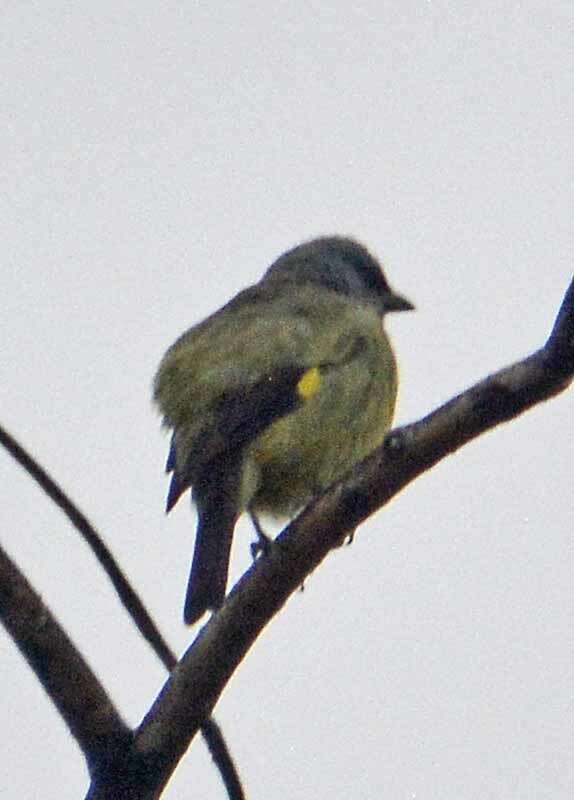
309 384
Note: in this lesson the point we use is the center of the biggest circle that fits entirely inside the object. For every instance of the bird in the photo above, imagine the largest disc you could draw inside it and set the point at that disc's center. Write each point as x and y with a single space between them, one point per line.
275 396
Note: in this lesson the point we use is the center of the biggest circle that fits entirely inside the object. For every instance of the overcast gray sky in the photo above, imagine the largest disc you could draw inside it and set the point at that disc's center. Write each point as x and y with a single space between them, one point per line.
155 159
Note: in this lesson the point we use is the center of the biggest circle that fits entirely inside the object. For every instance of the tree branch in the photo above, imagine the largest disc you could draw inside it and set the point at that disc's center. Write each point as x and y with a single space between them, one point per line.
195 685
51 653
127 595
69 682
196 682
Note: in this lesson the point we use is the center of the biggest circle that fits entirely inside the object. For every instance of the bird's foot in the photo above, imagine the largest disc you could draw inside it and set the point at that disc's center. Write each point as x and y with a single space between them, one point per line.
264 543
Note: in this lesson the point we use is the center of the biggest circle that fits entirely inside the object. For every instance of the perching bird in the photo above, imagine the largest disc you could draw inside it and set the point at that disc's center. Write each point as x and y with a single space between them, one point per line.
277 395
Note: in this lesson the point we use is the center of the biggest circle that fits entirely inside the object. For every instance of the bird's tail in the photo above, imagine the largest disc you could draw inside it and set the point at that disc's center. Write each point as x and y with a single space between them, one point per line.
208 576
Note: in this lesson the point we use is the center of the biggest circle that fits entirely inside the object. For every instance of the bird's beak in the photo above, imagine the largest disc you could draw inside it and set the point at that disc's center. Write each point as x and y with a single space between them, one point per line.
396 302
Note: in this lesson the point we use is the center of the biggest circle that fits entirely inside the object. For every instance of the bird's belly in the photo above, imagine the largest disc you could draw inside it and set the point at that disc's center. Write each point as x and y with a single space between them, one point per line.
296 459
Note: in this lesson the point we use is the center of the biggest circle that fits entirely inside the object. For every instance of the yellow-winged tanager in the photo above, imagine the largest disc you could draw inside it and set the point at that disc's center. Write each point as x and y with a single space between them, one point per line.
277 395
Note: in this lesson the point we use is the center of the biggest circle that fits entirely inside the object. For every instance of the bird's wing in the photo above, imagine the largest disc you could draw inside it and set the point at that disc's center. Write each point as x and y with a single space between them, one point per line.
237 418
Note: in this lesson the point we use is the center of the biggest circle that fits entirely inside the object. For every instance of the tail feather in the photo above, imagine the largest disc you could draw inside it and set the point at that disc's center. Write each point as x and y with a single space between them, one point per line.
210 565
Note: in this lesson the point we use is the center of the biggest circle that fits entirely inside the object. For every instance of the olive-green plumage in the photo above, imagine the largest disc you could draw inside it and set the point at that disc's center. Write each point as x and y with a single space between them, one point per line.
249 431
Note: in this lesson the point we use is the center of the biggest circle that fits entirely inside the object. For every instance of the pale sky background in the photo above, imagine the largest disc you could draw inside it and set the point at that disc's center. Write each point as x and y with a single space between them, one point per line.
156 157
